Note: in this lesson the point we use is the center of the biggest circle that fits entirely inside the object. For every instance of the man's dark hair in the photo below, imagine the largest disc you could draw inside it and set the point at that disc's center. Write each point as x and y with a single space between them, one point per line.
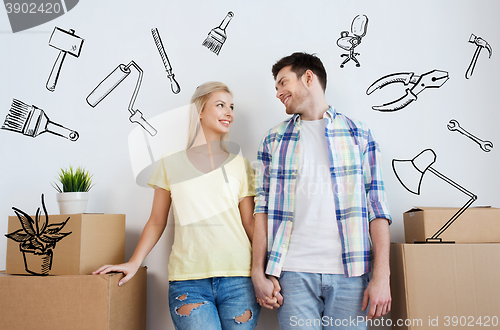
301 62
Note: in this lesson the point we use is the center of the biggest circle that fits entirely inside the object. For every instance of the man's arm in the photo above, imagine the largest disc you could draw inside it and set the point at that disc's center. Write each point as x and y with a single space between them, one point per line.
266 289
378 292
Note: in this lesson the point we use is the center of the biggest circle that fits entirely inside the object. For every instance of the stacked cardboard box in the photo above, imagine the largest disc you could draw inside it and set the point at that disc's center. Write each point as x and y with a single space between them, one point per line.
440 285
92 240
73 299
78 302
475 225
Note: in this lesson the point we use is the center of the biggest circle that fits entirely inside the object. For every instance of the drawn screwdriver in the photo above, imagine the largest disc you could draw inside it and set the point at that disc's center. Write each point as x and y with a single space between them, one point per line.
173 83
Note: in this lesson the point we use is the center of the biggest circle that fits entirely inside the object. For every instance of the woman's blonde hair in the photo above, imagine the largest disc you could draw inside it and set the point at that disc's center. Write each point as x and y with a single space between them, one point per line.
198 101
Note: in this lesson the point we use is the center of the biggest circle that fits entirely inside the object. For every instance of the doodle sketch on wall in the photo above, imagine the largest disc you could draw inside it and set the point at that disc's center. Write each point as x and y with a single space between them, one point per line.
67 43
217 36
431 79
32 121
37 240
349 42
453 125
108 84
163 54
480 43
410 174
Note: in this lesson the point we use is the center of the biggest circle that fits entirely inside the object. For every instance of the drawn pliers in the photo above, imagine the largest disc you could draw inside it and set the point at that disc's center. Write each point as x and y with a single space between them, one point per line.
431 79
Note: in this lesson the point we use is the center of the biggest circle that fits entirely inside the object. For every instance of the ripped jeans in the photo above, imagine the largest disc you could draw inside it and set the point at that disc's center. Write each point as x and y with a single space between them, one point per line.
217 303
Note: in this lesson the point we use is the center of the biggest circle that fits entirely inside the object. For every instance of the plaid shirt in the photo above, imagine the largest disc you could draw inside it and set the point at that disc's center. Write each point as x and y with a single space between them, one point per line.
357 184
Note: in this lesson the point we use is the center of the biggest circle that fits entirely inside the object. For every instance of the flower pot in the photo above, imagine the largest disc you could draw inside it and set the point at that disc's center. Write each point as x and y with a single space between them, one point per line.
38 263
72 202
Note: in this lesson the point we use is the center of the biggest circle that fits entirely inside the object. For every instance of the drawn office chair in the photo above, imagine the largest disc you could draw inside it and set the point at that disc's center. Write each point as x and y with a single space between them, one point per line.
350 42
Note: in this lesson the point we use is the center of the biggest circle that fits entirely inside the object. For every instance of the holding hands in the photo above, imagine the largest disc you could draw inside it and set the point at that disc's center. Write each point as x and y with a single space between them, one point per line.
267 291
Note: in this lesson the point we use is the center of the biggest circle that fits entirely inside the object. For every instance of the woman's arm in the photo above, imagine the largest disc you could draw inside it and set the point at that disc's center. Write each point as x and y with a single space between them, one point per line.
246 206
150 235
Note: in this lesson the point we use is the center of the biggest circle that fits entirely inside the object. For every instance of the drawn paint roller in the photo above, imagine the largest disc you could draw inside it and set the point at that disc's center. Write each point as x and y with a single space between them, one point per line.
170 75
32 121
68 43
109 84
217 36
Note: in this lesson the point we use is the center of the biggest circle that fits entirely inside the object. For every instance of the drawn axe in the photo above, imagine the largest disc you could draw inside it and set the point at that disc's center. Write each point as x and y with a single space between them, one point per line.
481 43
68 43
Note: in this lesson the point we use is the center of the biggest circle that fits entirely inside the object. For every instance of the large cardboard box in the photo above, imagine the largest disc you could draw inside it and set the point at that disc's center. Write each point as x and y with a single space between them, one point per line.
93 240
441 286
475 225
77 302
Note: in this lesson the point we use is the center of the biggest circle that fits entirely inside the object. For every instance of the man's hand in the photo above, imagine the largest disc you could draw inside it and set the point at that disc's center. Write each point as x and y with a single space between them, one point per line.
267 291
378 291
277 289
378 296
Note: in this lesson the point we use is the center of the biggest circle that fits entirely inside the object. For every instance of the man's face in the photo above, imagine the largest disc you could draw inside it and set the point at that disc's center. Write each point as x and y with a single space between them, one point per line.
291 90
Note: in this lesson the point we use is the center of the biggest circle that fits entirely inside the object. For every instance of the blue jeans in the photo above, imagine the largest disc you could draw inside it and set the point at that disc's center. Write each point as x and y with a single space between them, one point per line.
321 301
217 303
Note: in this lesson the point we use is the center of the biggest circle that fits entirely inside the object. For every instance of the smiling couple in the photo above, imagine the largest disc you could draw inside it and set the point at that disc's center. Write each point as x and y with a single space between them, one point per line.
242 242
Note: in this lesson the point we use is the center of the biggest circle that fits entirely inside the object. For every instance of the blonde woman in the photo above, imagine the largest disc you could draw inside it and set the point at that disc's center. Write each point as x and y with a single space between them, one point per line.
211 192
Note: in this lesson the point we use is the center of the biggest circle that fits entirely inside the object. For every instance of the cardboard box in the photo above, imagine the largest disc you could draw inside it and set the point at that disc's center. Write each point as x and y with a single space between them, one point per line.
437 286
94 240
475 225
73 302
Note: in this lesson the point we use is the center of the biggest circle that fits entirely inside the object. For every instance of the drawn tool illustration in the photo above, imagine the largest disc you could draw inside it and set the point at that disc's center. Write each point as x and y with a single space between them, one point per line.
68 43
453 125
350 42
431 79
410 174
109 83
37 240
170 75
32 121
480 43
217 36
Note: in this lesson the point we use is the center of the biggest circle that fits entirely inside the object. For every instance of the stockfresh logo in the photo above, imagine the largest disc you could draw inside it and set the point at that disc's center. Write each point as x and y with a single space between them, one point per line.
26 14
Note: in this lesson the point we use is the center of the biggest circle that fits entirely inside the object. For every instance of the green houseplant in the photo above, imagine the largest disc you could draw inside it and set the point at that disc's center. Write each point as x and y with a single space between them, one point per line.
37 239
73 190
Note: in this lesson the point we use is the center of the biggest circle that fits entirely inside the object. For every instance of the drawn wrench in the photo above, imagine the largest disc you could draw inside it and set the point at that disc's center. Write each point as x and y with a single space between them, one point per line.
453 125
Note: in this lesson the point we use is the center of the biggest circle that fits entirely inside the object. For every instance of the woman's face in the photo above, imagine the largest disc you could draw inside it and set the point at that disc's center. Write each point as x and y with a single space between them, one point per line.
217 115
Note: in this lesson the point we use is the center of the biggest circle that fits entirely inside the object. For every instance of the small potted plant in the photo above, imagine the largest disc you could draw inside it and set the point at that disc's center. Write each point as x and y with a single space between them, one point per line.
37 240
73 190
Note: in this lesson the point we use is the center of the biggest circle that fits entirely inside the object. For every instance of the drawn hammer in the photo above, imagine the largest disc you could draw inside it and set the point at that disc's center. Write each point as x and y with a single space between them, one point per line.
66 42
481 43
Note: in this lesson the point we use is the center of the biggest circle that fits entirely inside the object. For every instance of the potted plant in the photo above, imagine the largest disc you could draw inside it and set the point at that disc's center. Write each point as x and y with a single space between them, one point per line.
74 190
37 240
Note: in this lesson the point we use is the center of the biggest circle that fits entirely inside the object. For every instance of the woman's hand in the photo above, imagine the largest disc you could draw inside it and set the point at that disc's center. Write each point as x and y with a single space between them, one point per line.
150 235
128 268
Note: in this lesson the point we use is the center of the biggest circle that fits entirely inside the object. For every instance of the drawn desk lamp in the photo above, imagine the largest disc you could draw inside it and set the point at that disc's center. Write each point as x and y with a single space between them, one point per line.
411 172
108 84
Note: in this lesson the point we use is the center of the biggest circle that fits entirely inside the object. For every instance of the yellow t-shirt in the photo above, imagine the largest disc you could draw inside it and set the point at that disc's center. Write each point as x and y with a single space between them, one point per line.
209 240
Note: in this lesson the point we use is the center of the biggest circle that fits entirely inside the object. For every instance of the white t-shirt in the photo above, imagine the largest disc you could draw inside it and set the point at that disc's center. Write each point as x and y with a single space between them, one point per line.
315 245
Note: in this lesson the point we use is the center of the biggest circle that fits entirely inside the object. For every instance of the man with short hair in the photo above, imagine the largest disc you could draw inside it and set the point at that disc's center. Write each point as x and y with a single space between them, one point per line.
320 209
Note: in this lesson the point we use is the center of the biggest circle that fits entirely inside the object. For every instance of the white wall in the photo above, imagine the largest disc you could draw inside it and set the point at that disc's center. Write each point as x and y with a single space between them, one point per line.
402 36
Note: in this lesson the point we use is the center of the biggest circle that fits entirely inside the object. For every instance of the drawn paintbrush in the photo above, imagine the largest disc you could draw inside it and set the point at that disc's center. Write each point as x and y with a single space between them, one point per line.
173 83
32 121
217 36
